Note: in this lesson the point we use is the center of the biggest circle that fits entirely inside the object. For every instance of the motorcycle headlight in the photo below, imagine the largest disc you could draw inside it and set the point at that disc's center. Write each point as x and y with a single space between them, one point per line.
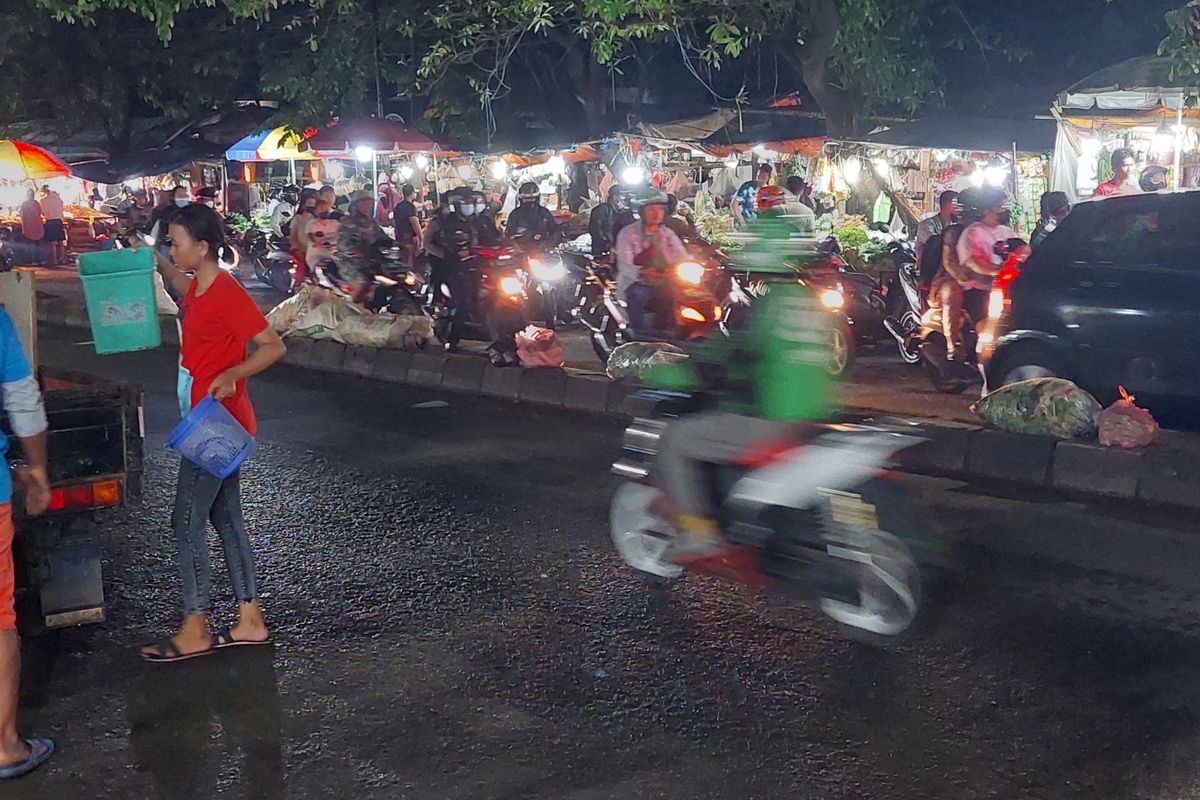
690 272
549 270
510 284
832 299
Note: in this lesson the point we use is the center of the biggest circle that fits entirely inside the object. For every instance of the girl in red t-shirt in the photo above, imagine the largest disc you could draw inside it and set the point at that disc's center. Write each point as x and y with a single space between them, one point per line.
218 320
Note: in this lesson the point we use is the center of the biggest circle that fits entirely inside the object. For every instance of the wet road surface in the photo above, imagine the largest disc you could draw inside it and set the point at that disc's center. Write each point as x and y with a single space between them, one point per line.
451 622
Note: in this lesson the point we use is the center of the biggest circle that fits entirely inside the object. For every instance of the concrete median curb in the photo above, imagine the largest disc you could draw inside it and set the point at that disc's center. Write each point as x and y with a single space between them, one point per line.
1167 473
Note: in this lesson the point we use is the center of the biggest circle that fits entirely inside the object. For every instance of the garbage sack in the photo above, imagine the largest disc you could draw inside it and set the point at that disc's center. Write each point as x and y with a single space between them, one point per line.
410 331
1041 407
634 359
365 330
1124 424
285 315
539 348
322 321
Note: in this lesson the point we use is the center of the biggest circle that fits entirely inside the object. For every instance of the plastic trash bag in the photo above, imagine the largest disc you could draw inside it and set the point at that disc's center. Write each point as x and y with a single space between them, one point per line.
538 348
634 359
1124 424
322 321
1041 407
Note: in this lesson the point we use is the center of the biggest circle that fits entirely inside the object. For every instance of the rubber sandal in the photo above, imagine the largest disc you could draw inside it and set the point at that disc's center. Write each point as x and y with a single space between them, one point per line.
168 653
225 639
40 751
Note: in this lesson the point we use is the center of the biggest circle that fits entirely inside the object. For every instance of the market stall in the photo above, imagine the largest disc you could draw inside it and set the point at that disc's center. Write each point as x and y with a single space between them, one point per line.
1137 104
917 161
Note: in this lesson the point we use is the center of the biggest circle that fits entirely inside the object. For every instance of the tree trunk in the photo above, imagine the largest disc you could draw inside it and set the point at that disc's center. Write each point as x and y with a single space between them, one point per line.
587 80
811 61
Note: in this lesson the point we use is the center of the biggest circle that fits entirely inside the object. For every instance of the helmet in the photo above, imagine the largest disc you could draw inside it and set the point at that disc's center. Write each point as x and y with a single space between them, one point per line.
770 198
1153 179
361 194
614 193
975 201
529 191
649 196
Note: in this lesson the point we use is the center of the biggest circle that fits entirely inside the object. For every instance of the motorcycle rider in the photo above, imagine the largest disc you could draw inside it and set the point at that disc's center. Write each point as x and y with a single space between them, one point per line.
459 233
769 378
360 244
602 223
530 217
645 251
976 250
283 211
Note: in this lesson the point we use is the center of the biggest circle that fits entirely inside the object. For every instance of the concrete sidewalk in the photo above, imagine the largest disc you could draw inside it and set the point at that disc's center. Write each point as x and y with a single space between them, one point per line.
1166 473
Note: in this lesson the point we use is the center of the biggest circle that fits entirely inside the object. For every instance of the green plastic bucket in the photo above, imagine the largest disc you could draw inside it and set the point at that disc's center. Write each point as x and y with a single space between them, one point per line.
118 286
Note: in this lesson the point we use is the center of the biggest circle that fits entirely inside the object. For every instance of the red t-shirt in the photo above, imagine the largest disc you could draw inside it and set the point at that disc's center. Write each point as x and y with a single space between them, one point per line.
216 328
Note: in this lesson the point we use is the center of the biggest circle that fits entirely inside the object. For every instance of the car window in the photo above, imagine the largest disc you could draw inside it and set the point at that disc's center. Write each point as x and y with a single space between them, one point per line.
1181 233
1125 232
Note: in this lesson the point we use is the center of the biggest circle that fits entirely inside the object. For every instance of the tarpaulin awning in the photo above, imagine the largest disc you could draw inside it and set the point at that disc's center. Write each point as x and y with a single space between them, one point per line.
1139 84
381 135
276 144
980 134
691 130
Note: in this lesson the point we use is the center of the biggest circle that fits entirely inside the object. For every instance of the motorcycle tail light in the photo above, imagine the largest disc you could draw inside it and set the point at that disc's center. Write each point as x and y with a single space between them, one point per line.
410 279
717 312
1001 297
690 314
510 285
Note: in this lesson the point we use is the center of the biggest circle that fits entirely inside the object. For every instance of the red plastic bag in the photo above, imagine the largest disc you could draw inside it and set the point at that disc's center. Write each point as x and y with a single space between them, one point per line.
1125 425
539 347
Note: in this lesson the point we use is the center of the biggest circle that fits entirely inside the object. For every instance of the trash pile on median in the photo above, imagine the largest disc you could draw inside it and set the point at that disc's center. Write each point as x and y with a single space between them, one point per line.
1041 407
318 314
633 360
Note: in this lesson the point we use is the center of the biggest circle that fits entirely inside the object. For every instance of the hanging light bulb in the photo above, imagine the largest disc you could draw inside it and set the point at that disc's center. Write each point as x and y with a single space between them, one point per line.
882 167
405 172
364 153
422 160
499 169
633 176
852 169
995 175
557 165
1090 147
1164 139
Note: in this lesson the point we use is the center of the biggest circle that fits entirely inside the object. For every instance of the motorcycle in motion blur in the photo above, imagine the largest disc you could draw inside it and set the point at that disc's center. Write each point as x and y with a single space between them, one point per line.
812 516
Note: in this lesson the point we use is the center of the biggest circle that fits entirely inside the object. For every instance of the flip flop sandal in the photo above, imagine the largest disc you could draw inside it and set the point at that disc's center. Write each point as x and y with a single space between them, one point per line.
40 751
225 639
169 653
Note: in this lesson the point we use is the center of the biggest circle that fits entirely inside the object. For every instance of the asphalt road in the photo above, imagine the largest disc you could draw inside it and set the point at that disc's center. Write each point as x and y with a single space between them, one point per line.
451 622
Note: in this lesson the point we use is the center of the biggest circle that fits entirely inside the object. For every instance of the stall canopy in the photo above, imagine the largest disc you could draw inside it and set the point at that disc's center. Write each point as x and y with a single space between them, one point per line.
276 144
381 135
1139 84
975 134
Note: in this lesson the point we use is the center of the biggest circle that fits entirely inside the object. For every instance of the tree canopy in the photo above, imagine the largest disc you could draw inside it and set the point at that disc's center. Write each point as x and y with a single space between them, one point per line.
466 66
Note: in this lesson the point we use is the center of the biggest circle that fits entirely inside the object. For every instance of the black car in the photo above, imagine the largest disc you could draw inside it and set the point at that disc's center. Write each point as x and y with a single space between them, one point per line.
1111 298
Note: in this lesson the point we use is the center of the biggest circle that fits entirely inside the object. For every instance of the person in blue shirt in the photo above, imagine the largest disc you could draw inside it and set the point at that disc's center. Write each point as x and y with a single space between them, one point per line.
22 400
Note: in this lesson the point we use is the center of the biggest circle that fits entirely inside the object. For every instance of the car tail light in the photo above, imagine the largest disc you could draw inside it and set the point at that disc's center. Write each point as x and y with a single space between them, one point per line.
85 496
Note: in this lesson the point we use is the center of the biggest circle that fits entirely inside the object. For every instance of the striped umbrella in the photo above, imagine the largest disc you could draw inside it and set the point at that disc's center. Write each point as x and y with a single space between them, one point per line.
21 161
277 144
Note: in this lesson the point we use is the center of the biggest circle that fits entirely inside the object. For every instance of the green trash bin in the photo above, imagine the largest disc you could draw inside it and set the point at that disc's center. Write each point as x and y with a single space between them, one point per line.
118 286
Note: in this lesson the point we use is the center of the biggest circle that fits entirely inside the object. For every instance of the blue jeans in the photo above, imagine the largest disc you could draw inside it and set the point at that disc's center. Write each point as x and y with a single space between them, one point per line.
201 497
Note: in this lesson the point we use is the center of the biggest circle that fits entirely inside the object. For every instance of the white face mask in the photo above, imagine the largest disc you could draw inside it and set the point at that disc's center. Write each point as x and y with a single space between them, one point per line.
468 211
182 201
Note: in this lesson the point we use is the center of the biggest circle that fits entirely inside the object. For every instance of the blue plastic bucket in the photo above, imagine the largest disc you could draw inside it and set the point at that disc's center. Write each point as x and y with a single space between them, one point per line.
212 439
118 288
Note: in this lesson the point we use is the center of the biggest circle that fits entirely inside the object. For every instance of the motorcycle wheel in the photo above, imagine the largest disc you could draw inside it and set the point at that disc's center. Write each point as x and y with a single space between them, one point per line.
841 350
882 567
641 536
605 342
940 371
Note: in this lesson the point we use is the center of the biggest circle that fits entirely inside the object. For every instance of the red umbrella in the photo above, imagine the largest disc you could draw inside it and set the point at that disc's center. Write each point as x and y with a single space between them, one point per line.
381 135
21 161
